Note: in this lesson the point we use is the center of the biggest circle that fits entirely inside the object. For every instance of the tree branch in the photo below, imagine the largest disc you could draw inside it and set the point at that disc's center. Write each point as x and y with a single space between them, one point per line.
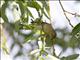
65 13
73 13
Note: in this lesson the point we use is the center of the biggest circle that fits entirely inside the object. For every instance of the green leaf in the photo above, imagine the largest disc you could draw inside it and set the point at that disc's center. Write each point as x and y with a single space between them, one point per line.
46 14
17 26
71 57
76 29
25 20
74 43
38 21
46 5
3 8
47 9
22 8
29 37
28 11
34 5
31 0
21 0
28 27
75 39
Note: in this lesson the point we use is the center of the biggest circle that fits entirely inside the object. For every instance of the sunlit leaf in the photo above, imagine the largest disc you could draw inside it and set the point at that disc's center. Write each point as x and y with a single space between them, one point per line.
28 27
46 5
34 5
46 14
21 0
22 8
28 11
29 37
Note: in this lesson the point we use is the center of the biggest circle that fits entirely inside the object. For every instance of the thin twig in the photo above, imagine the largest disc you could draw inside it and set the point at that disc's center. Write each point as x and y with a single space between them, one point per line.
72 13
65 14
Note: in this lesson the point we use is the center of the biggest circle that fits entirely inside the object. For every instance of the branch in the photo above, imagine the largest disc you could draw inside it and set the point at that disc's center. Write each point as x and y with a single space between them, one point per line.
73 13
65 14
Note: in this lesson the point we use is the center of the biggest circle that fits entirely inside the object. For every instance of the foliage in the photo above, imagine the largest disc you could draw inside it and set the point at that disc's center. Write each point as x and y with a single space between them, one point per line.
23 24
71 57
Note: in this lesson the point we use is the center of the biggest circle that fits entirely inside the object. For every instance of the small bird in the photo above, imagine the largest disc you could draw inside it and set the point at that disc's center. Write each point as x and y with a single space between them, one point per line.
50 35
48 30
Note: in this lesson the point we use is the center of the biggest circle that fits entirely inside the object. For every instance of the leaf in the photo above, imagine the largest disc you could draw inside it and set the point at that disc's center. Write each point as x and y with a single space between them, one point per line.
74 43
47 9
34 5
71 57
17 26
28 11
46 14
28 27
22 8
76 29
46 5
29 37
21 0
3 8
75 39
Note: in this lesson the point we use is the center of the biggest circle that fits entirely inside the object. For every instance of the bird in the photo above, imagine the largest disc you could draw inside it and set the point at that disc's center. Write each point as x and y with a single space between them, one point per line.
49 33
48 30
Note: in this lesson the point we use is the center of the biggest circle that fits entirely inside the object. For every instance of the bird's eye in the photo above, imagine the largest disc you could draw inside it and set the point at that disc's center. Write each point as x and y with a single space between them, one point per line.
17 8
